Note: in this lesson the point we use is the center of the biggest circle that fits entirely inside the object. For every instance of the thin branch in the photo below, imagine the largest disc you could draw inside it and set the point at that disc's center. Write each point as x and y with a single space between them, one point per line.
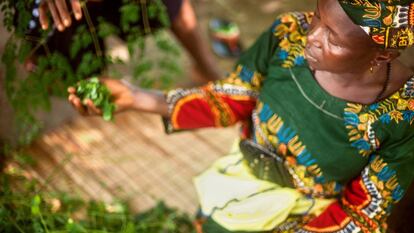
147 27
55 171
92 30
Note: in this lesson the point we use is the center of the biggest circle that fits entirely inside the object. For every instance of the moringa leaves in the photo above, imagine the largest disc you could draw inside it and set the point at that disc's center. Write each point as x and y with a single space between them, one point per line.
100 95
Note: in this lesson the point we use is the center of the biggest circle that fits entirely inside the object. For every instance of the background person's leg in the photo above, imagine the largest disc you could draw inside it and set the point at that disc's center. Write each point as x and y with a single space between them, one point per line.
185 28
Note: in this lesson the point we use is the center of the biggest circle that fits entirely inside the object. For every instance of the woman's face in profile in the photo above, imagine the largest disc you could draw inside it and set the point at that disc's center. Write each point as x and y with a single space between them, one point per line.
335 43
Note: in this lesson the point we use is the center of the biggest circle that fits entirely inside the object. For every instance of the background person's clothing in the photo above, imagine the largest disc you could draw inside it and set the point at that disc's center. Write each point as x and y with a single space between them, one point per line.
362 155
173 8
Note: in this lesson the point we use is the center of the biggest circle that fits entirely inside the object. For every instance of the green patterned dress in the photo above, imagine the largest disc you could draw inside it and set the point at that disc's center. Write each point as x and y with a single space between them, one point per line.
359 156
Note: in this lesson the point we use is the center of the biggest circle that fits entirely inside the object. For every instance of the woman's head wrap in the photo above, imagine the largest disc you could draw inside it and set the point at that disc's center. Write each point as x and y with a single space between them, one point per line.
390 23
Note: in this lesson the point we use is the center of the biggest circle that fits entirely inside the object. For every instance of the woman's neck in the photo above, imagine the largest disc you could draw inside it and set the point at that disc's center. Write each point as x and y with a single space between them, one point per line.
364 87
348 79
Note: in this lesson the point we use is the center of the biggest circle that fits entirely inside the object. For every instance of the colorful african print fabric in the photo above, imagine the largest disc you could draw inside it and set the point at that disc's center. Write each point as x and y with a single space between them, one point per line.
362 156
390 23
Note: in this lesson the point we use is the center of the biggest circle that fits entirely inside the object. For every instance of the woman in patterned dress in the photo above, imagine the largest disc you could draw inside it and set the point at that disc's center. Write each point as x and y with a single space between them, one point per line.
325 94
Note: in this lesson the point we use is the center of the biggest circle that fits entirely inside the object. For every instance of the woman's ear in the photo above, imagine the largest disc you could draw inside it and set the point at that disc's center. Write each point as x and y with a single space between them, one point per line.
386 55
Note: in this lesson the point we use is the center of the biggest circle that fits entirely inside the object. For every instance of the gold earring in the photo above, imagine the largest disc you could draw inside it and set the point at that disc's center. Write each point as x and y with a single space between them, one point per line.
371 69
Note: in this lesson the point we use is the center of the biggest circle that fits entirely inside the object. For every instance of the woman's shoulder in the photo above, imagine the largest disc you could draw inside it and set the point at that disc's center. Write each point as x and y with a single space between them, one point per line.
290 30
384 123
292 22
397 109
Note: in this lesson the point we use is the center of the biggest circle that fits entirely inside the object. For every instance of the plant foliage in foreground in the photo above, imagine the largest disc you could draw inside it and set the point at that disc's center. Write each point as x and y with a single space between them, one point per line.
27 209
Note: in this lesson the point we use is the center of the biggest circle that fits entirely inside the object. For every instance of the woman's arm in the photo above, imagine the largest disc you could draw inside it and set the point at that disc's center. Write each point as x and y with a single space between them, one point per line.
151 101
125 97
218 104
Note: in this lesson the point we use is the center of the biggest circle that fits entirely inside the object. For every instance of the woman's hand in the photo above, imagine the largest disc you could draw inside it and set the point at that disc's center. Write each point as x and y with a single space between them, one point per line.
122 96
60 13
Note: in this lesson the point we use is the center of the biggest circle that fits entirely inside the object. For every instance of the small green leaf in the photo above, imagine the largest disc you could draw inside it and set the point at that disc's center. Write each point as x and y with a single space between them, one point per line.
130 228
24 51
142 68
36 205
73 227
106 29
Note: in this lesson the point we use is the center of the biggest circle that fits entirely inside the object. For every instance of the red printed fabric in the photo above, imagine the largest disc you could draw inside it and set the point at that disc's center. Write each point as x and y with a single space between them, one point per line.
217 104
225 102
366 201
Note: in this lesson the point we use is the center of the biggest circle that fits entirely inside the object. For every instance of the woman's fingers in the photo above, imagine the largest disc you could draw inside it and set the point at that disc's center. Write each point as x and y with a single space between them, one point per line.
92 109
63 12
55 15
77 104
87 107
77 9
71 90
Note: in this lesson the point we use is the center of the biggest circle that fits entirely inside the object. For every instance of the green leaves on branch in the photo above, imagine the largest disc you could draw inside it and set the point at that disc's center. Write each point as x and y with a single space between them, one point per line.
56 71
148 70
130 14
17 25
106 29
82 39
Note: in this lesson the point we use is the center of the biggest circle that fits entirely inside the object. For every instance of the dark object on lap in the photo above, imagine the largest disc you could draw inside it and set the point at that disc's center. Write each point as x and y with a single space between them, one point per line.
265 164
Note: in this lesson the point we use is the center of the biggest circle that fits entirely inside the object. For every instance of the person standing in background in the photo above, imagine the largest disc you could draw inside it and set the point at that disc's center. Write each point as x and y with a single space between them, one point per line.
181 14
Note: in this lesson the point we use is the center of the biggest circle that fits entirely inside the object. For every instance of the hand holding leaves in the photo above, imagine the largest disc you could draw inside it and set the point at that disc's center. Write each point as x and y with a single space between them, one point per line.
101 97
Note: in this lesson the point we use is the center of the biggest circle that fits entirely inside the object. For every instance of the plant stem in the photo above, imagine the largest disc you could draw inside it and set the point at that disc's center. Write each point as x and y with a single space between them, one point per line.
55 171
147 27
43 222
91 29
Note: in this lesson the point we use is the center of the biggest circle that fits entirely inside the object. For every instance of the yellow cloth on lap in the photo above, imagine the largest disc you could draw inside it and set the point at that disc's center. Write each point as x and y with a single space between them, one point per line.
238 201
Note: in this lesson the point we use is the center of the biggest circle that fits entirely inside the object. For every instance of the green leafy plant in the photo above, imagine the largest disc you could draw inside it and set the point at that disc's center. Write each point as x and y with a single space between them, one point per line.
54 72
26 207
99 94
